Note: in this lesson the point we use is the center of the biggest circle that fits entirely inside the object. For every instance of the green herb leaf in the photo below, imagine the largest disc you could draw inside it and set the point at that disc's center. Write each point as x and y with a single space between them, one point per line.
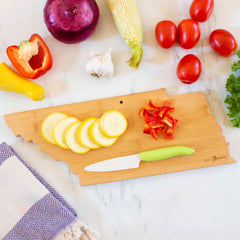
238 53
233 97
236 66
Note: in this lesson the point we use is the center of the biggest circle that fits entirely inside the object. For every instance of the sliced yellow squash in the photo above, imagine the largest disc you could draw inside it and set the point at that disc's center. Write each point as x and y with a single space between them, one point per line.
84 135
72 141
113 124
98 137
49 123
60 129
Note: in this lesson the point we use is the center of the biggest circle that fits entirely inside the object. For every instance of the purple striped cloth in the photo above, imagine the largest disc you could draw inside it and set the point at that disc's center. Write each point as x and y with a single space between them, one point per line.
30 208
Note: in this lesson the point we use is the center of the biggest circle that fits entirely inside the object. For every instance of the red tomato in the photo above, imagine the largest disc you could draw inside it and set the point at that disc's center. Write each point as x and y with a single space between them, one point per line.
166 33
189 69
223 42
201 10
188 33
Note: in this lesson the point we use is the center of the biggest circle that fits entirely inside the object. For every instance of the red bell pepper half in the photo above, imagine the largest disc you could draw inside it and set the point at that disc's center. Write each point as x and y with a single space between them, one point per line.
32 58
158 119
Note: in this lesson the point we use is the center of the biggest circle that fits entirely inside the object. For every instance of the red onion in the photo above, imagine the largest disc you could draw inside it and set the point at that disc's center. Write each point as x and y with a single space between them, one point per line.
71 21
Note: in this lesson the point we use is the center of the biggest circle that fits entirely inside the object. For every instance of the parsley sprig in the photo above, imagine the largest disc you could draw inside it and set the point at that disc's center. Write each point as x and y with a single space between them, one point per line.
233 97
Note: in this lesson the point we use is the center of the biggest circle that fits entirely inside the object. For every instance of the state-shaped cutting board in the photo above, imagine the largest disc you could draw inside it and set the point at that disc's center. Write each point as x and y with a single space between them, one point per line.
198 130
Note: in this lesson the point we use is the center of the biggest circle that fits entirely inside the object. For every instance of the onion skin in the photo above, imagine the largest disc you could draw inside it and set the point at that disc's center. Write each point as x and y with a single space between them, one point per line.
71 21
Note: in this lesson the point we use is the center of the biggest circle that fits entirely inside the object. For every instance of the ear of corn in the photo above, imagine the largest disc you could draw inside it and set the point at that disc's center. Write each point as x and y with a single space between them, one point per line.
128 22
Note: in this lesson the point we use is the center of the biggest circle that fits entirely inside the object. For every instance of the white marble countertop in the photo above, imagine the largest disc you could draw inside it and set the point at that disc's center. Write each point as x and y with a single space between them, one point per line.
198 204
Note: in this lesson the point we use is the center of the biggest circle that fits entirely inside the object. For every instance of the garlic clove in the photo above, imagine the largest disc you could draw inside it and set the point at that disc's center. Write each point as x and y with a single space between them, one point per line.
101 65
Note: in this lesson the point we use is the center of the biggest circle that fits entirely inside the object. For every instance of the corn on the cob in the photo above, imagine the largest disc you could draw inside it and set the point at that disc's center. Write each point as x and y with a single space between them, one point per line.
128 22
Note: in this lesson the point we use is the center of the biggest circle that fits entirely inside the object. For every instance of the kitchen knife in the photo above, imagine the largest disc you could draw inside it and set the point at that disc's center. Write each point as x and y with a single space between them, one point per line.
132 161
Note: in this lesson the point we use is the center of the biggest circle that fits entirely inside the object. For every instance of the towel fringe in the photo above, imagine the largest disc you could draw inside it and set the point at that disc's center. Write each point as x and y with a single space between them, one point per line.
77 231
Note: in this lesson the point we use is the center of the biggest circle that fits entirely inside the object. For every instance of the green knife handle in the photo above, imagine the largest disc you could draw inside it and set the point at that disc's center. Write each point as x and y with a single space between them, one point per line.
168 152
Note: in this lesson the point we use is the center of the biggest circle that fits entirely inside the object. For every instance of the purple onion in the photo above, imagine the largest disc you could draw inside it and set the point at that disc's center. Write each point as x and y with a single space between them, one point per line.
71 21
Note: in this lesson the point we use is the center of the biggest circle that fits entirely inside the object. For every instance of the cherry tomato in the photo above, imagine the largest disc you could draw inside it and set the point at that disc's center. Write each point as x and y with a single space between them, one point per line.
201 10
223 42
188 33
166 33
189 69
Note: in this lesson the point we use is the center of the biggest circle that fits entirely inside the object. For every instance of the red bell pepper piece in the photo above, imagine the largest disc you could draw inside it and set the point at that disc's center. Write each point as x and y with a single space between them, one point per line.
143 112
169 109
156 113
149 108
170 131
153 104
140 113
32 58
159 130
159 113
162 111
153 133
169 121
146 129
148 119
156 124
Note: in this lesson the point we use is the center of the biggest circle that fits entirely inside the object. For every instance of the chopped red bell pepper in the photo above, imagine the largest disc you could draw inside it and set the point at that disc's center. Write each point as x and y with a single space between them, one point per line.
170 131
160 130
149 108
32 58
146 129
148 119
153 104
163 111
153 133
156 124
158 119
168 121
143 112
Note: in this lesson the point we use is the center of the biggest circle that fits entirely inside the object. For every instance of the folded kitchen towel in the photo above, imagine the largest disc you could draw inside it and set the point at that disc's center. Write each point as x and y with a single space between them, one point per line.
30 209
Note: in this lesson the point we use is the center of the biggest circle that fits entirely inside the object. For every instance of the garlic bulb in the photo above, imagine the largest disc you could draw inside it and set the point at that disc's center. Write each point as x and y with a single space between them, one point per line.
101 66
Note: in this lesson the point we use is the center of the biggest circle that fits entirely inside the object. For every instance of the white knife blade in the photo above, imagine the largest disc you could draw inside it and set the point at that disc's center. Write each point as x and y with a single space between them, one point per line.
132 161
114 164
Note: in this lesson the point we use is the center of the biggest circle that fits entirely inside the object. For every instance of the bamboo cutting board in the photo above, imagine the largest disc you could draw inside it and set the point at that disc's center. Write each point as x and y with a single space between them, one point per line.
198 130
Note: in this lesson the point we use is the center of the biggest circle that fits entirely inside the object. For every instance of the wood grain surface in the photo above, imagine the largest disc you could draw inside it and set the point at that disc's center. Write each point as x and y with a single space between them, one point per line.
198 130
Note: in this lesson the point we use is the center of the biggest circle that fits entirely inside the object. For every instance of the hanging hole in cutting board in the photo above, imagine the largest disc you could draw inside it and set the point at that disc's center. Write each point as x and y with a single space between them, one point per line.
121 102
